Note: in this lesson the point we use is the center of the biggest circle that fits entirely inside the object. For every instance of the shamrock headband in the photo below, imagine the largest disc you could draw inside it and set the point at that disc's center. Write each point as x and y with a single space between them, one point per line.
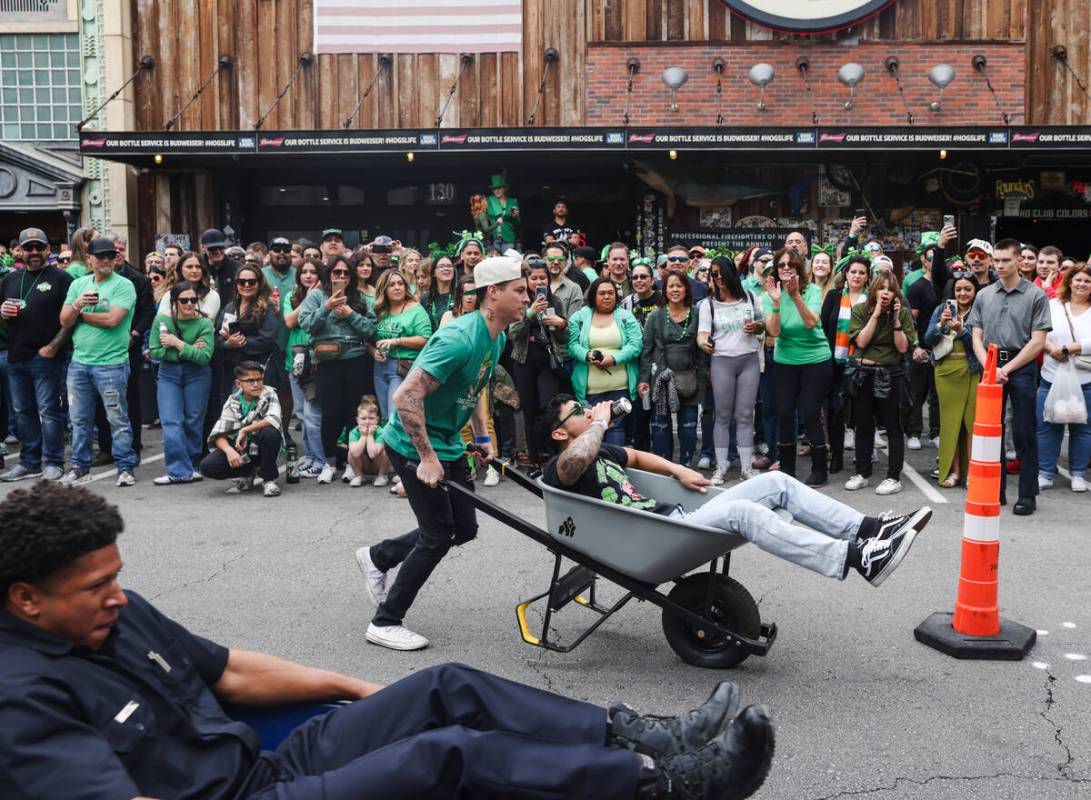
928 239
469 237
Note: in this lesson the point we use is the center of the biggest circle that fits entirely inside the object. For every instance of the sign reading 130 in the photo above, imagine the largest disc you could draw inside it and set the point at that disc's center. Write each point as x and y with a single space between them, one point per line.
806 16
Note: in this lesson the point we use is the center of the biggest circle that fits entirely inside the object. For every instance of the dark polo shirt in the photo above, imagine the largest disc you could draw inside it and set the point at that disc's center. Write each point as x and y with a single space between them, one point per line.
136 717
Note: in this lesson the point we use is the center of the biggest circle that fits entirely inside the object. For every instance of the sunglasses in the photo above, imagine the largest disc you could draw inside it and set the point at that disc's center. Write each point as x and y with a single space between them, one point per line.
642 277
380 250
577 409
34 247
715 275
188 301
155 277
962 273
280 249
246 281
64 260
107 256
555 259
340 273
785 265
678 259
251 381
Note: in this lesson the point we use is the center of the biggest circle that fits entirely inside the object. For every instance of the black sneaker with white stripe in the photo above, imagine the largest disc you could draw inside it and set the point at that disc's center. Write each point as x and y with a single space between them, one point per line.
881 554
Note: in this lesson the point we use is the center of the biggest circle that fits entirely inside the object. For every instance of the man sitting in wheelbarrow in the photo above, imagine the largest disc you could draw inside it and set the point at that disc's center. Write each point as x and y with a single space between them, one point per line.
837 538
103 697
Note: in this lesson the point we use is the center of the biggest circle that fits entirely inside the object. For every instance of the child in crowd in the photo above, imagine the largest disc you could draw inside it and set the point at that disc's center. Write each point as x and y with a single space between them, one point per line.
367 456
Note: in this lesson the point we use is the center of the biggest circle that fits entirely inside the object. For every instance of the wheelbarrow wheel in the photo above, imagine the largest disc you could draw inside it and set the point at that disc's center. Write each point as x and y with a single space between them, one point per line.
729 605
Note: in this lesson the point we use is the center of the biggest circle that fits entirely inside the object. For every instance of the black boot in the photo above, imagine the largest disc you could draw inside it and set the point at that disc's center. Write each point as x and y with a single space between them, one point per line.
819 475
667 736
733 765
787 454
837 463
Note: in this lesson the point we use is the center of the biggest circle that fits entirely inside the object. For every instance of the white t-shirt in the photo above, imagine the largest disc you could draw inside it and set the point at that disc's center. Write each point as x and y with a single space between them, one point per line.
210 305
725 320
1062 335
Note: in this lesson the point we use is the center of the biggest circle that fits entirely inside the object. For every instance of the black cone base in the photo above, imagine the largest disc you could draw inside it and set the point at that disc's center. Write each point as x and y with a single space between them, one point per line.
1012 643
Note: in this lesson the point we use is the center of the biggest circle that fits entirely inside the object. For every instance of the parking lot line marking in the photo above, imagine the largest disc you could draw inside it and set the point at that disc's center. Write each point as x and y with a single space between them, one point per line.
927 489
113 472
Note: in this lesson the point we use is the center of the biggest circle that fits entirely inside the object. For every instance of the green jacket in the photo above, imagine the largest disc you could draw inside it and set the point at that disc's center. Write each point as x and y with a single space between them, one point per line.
579 337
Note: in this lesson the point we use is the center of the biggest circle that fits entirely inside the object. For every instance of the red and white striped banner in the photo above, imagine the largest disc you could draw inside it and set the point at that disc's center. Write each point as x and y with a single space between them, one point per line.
418 26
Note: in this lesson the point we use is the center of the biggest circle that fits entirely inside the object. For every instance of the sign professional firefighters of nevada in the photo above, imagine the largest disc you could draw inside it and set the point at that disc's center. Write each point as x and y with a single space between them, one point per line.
806 16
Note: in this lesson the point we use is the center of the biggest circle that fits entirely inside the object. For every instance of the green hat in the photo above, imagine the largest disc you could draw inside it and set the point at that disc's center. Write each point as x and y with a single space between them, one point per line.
497 182
928 239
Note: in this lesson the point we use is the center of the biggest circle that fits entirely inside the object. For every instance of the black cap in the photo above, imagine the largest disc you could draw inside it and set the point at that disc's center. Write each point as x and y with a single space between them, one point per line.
328 232
102 247
33 235
213 237
585 252
761 252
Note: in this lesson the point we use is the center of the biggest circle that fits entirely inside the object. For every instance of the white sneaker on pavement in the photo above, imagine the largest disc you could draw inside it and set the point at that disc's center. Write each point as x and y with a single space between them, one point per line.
850 439
879 440
717 478
326 476
704 462
375 577
888 486
395 637
934 441
1045 483
357 481
1079 484
125 478
856 482
348 474
746 474
271 489
913 443
381 480
492 477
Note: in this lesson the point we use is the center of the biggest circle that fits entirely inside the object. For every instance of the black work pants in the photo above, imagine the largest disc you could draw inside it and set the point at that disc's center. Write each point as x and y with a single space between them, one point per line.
449 732
1021 391
867 407
537 385
132 398
338 386
802 388
215 466
444 520
922 387
836 412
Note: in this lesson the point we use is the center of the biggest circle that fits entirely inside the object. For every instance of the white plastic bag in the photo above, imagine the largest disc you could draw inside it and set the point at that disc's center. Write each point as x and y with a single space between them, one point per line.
1064 403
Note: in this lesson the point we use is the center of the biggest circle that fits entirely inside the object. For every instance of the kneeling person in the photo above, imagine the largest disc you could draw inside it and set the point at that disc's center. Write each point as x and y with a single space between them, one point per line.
837 539
247 435
102 696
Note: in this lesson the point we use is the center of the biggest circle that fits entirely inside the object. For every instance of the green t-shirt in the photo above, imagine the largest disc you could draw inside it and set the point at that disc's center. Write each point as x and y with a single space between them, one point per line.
354 435
753 285
414 321
77 269
100 347
912 278
881 349
461 356
189 331
796 344
296 335
284 283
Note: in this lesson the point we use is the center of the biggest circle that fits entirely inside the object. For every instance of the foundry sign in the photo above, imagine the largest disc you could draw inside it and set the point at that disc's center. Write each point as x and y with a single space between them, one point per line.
809 16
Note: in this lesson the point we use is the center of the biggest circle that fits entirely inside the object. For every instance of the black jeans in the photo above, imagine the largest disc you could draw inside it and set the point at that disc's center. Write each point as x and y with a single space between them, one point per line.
802 387
268 440
444 519
449 732
922 386
537 385
867 407
339 385
1021 391
836 411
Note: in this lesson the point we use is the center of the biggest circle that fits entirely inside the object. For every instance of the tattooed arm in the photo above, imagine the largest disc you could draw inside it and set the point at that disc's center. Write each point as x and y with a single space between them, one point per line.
409 401
584 449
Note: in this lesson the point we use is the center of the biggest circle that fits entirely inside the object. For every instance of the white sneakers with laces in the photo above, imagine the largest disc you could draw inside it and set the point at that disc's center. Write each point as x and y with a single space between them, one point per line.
717 478
395 637
492 476
1079 483
326 476
913 443
888 486
374 577
1045 483
856 482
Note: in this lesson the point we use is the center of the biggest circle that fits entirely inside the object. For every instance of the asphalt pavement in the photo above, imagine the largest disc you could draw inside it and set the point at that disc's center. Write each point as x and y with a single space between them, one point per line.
861 708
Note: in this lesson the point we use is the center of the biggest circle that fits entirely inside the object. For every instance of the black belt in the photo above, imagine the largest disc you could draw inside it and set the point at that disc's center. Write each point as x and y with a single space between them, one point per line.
1004 355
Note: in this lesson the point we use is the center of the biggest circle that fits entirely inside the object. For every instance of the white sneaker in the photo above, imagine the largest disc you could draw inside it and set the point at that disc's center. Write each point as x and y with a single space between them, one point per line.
934 441
1079 484
704 462
856 482
746 474
395 637
850 439
125 478
1046 483
1011 455
913 443
879 440
375 577
357 481
348 474
326 476
889 486
717 478
492 477
381 480
271 489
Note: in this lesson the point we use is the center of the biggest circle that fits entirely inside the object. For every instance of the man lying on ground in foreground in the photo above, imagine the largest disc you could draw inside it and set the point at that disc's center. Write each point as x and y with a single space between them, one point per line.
837 538
102 697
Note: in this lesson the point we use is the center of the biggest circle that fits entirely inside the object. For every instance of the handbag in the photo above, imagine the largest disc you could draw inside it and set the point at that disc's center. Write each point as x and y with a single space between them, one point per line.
942 348
321 352
403 367
1080 361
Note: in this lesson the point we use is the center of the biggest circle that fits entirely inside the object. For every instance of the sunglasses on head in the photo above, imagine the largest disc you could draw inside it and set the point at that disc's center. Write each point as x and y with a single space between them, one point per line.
64 260
962 273
246 281
34 247
188 301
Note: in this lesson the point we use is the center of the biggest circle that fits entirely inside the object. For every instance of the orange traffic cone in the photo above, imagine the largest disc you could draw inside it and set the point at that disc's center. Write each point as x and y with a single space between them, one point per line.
976 630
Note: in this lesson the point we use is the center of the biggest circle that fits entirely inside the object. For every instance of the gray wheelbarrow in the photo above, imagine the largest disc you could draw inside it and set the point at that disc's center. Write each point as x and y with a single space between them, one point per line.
709 618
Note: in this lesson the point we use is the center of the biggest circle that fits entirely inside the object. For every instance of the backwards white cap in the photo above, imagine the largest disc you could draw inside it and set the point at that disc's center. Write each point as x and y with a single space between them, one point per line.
496 269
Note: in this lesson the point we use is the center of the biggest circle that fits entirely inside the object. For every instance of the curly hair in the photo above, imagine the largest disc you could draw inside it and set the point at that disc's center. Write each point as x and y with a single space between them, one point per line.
47 527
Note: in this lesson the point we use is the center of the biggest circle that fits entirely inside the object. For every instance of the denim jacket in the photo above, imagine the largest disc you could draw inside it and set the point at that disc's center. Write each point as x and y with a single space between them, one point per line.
933 334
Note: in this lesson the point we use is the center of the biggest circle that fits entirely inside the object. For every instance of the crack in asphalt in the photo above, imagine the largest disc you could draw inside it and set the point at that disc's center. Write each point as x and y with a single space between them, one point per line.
331 531
1062 768
933 778
206 579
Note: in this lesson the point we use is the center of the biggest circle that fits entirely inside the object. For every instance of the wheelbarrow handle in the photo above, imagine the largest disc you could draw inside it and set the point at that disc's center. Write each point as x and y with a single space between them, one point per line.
506 469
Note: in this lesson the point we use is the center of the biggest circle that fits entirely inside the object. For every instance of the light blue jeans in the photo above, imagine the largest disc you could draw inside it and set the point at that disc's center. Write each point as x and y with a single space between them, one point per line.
311 414
387 381
109 382
1051 436
747 510
182 393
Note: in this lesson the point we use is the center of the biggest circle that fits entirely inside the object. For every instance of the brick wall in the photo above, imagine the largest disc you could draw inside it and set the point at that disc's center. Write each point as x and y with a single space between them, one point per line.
966 101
